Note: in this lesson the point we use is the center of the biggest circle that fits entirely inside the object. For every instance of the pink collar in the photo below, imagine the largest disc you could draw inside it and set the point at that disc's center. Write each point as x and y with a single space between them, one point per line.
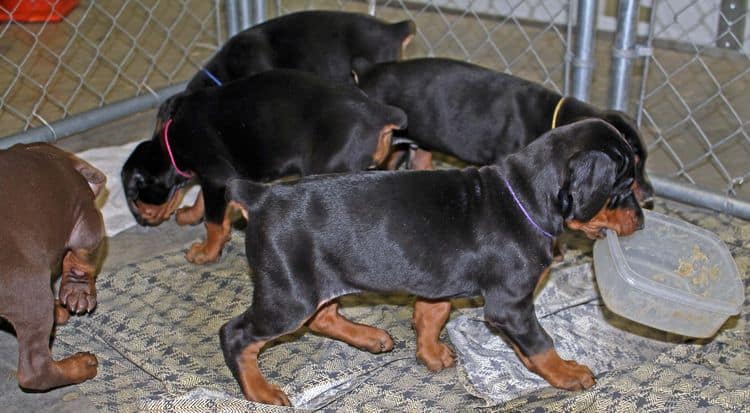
169 151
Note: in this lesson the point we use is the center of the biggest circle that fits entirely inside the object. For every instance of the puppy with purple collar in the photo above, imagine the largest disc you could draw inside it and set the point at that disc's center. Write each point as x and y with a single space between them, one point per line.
435 234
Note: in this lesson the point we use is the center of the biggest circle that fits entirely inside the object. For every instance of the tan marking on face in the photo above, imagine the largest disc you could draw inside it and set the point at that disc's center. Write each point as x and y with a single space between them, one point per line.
156 214
620 220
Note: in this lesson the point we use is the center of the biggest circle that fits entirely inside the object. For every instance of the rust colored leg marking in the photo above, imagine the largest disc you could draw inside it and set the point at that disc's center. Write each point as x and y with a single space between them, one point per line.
383 147
395 159
429 319
193 214
420 159
329 322
254 385
216 236
541 281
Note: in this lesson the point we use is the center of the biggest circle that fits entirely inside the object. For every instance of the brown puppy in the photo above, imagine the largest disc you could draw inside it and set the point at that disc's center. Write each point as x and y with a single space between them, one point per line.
48 216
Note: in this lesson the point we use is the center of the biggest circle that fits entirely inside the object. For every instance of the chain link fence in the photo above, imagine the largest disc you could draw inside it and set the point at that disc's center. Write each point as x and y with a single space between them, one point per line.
104 51
689 93
529 38
694 104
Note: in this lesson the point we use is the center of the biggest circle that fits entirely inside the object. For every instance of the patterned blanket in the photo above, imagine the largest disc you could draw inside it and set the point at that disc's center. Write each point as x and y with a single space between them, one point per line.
155 334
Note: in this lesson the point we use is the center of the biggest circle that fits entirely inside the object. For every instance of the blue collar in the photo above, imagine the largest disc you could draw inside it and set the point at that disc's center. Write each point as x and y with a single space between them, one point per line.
211 76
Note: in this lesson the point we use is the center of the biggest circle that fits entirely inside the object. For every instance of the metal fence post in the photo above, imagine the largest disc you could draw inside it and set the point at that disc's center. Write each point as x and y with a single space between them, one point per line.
583 62
259 11
252 12
623 52
95 117
233 18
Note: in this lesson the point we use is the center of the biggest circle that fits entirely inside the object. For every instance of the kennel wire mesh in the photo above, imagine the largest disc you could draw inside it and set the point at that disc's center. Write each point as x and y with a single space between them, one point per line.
102 52
693 104
529 38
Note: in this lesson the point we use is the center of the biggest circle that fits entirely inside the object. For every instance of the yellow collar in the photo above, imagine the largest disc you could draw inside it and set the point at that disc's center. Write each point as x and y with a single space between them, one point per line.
557 111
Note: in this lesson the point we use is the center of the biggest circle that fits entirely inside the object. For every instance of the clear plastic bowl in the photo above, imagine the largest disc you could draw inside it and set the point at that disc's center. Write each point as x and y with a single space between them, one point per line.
671 275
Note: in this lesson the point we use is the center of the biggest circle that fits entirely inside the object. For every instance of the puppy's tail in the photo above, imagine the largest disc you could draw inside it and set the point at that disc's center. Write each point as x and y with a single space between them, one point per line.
404 30
244 194
394 116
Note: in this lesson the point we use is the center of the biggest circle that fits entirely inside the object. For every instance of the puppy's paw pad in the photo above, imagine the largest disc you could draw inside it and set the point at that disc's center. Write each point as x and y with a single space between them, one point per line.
77 297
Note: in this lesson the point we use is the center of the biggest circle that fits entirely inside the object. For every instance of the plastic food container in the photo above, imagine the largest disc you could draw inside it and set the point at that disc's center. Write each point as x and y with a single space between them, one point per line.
671 275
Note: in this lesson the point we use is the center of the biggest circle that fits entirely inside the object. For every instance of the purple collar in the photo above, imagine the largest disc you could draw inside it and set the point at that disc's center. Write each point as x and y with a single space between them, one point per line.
165 135
525 213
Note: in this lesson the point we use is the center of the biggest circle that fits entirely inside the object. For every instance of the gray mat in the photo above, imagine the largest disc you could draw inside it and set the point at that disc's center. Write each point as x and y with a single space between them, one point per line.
155 333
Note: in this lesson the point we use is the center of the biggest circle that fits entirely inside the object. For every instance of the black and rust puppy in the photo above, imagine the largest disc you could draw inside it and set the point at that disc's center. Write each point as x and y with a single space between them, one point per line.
264 127
320 42
49 216
479 115
434 234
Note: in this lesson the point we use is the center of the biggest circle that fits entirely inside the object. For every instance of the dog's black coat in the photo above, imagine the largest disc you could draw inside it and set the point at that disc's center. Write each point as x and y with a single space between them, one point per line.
264 127
479 115
435 234
321 42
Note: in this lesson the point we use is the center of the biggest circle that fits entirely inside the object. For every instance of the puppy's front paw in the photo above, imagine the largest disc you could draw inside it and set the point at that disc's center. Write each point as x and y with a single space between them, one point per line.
572 376
436 357
199 254
270 395
379 341
77 297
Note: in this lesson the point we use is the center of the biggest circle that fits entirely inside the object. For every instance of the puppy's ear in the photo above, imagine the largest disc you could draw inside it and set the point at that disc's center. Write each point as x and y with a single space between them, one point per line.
587 186
629 130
